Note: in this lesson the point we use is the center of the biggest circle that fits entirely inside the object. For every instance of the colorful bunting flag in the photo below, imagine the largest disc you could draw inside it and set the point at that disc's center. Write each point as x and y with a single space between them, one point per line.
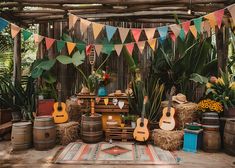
149 32
81 47
163 32
110 30
193 29
130 47
26 34
97 29
175 29
136 34
185 26
207 28
60 45
173 37
108 48
70 47
211 18
37 38
98 49
84 25
152 43
197 23
3 24
49 42
88 49
123 33
231 9
202 27
141 46
182 35
72 20
219 17
118 48
14 30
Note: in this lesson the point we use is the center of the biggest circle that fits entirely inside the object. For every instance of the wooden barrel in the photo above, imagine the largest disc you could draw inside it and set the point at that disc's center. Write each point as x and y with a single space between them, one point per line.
91 128
44 133
21 135
211 141
210 121
229 137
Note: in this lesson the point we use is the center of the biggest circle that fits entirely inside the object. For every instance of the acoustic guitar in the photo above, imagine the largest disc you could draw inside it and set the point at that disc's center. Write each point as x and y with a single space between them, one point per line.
141 132
167 121
60 115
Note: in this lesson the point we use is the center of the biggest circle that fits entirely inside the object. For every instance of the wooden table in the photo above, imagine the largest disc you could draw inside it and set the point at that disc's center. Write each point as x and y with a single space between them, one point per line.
107 110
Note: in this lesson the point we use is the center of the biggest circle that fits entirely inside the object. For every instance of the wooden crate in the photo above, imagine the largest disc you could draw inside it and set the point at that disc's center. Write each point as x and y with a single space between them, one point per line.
117 133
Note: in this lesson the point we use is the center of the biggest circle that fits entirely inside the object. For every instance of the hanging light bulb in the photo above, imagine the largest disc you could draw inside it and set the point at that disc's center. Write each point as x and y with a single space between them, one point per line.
189 11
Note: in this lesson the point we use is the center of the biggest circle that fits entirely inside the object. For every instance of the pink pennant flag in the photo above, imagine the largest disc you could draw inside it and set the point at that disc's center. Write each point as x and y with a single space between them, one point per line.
175 29
231 9
38 38
185 26
130 47
88 49
136 34
49 42
14 30
72 20
84 25
172 35
98 49
152 43
219 17
123 33
141 46
149 32
118 48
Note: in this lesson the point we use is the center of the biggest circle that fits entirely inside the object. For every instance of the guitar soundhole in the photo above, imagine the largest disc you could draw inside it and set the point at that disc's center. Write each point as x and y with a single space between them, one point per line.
168 114
141 124
59 108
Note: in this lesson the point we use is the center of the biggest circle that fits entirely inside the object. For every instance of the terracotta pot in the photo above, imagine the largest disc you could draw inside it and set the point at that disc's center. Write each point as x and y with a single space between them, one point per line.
230 112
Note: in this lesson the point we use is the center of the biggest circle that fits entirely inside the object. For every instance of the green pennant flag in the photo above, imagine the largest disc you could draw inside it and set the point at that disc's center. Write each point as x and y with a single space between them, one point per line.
26 34
60 45
198 23
182 35
81 47
108 48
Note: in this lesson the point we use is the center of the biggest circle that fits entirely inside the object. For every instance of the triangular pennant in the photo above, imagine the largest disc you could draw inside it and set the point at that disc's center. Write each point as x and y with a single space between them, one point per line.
207 28
98 49
219 17
70 47
202 27
60 45
81 47
197 24
72 20
152 43
182 35
161 39
136 34
231 9
26 34
37 38
49 42
211 18
3 24
97 29
130 47
123 33
84 25
163 32
193 29
110 30
88 49
173 37
108 48
185 26
150 32
141 46
175 29
118 48
14 30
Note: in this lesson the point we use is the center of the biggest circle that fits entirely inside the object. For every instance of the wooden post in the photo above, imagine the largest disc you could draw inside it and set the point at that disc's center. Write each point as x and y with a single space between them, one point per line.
17 58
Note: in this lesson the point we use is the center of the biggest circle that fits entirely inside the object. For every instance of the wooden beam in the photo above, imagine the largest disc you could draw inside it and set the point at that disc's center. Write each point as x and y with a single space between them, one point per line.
9 4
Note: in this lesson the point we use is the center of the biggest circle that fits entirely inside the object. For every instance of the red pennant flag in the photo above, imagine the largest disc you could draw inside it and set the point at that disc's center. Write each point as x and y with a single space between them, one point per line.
49 42
173 37
136 34
185 26
219 17
88 49
130 47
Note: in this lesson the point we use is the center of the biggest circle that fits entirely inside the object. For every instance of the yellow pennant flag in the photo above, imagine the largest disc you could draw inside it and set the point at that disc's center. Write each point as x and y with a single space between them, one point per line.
72 20
152 43
212 20
97 29
193 30
141 46
14 30
70 47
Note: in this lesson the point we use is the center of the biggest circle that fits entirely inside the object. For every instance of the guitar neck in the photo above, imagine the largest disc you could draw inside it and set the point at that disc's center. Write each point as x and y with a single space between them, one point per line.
169 103
59 98
143 113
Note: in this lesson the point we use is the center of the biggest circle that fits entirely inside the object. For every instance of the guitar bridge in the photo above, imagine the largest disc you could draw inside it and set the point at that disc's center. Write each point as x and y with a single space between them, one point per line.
166 122
59 115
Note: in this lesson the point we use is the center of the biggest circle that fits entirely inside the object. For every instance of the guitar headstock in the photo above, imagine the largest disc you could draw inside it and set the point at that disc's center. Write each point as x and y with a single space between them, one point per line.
58 86
145 99
173 89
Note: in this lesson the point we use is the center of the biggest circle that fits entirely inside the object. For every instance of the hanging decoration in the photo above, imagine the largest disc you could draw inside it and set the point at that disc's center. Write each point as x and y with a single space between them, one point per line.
211 18
123 33
60 45
130 47
186 26
84 25
193 30
136 34
38 38
118 48
3 24
96 27
98 48
175 29
219 17
197 24
141 46
163 31
14 30
26 34
72 20
149 32
110 30
49 42
231 9
152 43
70 47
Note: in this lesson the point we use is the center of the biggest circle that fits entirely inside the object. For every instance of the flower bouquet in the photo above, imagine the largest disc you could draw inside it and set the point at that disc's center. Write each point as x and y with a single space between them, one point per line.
208 105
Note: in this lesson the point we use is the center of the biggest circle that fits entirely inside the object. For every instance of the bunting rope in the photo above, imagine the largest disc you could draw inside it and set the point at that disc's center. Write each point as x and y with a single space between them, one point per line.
181 30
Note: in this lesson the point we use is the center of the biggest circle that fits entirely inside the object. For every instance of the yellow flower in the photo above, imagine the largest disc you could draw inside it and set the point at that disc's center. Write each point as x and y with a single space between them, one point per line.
208 85
220 81
232 86
226 98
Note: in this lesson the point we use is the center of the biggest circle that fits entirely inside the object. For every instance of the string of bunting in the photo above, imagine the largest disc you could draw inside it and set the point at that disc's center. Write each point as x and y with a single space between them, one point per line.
202 24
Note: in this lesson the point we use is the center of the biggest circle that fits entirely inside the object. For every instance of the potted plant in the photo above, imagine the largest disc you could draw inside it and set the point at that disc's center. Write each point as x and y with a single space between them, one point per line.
133 120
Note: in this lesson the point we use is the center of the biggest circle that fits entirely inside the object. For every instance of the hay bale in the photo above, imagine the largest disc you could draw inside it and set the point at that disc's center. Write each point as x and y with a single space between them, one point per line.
67 132
74 110
168 140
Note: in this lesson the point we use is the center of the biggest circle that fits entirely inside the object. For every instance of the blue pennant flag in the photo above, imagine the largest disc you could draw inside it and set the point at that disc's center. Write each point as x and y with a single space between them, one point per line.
3 24
163 33
161 39
197 23
110 30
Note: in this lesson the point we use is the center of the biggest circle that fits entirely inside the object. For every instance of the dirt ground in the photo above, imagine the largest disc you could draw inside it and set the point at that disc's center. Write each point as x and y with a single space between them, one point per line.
42 159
